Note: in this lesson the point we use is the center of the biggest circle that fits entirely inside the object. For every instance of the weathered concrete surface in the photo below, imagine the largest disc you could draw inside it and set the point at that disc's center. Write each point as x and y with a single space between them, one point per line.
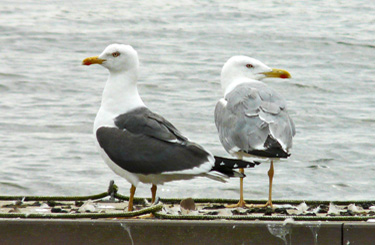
17 231
359 233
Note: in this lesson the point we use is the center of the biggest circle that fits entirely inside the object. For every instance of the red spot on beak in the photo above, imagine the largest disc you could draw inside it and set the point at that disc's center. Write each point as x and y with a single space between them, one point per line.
284 76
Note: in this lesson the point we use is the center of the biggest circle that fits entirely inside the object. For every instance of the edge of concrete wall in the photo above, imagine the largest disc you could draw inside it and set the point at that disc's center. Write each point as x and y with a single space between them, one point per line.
131 231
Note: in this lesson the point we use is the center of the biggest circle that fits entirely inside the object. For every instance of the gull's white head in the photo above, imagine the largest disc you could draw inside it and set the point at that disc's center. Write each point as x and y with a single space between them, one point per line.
245 67
116 58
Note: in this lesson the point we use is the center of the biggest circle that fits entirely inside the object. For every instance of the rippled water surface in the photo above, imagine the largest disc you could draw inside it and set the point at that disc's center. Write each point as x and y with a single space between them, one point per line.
49 101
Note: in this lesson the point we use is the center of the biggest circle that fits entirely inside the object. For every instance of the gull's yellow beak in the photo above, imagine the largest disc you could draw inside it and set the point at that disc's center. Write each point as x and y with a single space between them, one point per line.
277 73
92 60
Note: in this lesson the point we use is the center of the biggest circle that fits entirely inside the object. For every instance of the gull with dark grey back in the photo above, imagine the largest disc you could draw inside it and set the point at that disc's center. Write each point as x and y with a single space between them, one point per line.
142 146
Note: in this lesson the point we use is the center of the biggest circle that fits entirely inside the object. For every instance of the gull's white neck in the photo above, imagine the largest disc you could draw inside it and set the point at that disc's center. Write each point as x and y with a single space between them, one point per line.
120 95
231 77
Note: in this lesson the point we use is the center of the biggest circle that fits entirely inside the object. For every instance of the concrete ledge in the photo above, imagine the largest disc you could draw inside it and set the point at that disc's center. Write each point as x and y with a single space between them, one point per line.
177 232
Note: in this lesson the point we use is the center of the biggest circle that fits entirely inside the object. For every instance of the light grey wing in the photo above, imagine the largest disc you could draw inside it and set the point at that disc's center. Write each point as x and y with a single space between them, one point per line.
225 121
273 111
237 121
249 115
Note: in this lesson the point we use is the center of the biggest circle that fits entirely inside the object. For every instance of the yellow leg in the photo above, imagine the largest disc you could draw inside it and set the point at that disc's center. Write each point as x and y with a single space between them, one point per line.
153 192
241 203
131 198
270 177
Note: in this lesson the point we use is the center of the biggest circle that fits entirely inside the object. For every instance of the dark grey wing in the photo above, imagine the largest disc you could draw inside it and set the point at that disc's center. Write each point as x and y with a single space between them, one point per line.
142 154
144 121
144 142
252 118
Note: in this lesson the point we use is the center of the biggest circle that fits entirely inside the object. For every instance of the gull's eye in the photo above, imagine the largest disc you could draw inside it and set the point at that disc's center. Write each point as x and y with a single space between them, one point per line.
249 66
116 54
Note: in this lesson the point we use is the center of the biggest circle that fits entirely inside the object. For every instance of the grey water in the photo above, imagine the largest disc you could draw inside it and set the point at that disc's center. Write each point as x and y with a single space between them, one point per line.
49 100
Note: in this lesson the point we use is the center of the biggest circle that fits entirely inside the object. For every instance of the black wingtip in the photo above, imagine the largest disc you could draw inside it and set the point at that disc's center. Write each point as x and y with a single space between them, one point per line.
234 163
273 149
227 166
